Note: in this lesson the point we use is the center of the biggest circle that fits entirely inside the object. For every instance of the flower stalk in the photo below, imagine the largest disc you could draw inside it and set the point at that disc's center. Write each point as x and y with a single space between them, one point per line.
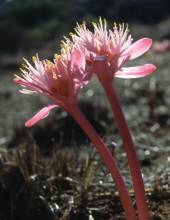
129 147
107 51
107 158
61 82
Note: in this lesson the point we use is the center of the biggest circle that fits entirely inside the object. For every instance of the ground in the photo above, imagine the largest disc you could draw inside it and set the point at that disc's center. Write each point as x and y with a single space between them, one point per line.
51 171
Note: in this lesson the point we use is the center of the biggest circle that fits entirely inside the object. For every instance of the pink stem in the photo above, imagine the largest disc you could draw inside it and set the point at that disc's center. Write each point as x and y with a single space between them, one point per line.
133 161
108 160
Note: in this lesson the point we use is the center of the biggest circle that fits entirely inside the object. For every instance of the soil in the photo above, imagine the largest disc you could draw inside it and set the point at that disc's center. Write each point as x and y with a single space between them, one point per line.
52 171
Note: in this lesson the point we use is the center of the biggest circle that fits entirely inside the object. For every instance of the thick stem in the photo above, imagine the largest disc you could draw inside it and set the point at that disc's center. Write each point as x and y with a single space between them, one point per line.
107 159
133 161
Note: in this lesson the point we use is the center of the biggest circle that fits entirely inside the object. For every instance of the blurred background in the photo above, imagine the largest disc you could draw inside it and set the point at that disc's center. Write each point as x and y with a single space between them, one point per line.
28 26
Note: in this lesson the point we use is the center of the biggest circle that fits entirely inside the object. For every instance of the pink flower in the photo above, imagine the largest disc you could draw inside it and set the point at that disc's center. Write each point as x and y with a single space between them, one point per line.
59 81
106 52
112 47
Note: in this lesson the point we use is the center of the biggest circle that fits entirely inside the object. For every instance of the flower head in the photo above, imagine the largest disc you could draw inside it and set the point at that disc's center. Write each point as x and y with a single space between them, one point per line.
111 47
60 80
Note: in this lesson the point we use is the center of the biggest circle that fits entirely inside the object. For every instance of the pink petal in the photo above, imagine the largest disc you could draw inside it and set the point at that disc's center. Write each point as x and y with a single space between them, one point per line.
135 72
43 113
138 48
78 59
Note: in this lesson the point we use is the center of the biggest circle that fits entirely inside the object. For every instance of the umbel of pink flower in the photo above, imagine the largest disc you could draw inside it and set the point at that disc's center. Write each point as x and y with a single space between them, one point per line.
112 47
107 51
59 81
